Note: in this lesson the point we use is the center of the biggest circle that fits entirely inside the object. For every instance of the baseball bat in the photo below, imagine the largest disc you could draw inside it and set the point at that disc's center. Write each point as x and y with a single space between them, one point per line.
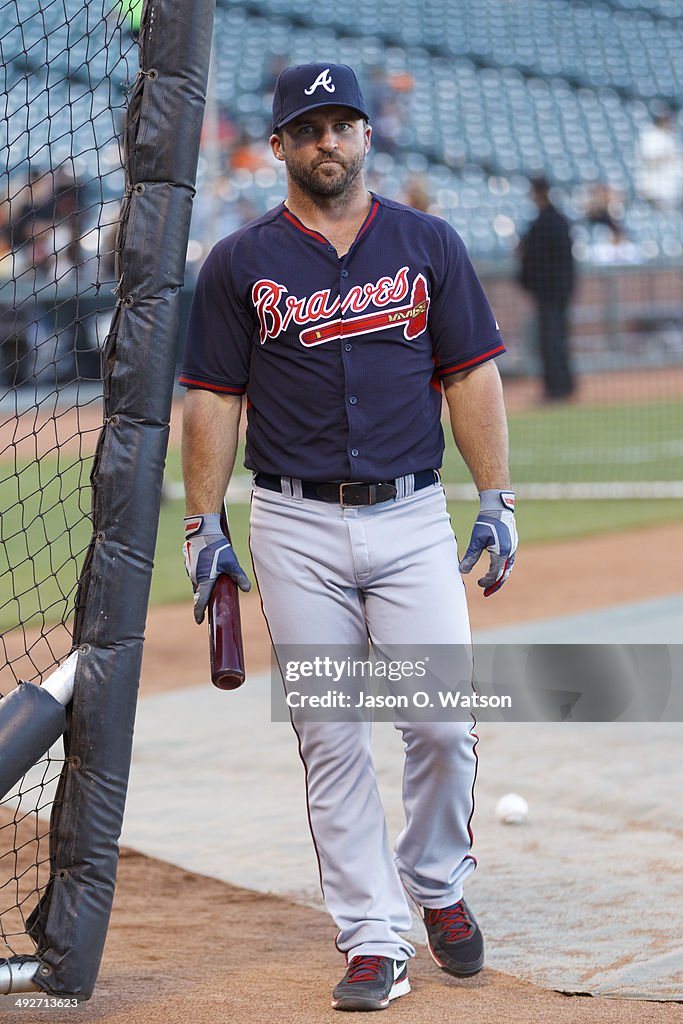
226 651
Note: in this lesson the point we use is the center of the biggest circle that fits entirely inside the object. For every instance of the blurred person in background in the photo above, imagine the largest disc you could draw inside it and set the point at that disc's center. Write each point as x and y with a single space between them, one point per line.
247 154
389 109
416 194
659 177
609 242
49 267
32 210
603 204
12 333
547 273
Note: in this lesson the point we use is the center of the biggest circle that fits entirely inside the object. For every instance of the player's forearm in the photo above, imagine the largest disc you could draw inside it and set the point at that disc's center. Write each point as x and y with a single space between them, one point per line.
479 424
210 433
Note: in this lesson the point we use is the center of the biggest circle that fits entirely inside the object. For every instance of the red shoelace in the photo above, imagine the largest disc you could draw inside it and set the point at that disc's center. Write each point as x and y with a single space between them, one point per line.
453 920
364 968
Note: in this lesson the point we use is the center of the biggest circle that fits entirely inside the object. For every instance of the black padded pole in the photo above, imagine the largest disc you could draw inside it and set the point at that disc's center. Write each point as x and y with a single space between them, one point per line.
162 137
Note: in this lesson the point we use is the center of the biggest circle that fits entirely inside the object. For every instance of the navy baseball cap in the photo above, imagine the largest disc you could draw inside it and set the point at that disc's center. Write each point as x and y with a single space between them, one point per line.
307 86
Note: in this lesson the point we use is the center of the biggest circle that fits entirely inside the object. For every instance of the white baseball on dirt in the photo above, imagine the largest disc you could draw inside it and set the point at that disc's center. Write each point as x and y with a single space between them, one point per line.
512 809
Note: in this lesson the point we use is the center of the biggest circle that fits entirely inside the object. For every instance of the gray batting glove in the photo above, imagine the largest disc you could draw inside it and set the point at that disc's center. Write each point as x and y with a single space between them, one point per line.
495 531
208 553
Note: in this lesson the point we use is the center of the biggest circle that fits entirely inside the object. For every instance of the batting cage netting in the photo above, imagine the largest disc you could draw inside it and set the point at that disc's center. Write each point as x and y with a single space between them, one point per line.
95 216
69 68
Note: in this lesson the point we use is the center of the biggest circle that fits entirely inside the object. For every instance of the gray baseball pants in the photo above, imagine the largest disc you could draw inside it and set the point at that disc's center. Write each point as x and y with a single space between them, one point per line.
333 575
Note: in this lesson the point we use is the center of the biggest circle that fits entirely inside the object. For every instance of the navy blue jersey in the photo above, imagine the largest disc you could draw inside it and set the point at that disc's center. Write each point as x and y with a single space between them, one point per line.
341 359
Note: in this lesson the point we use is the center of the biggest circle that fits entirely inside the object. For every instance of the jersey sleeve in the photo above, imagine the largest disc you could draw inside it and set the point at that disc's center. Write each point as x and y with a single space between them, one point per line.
462 325
219 331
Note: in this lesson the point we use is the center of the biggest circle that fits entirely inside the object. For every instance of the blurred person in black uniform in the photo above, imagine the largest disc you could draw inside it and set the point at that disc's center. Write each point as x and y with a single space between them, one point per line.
42 331
547 272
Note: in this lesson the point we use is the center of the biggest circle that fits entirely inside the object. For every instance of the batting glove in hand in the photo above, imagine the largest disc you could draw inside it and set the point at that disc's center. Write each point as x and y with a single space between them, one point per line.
495 531
208 553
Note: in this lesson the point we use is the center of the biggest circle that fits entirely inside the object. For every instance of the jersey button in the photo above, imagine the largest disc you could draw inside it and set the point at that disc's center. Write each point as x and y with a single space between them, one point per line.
352 400
354 452
348 346
345 273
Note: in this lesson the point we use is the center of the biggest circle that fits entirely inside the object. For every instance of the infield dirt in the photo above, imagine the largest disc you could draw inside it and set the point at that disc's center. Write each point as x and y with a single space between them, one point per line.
184 948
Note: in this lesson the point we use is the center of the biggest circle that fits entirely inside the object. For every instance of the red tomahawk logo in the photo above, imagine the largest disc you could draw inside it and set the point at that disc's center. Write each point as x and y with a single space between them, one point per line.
414 316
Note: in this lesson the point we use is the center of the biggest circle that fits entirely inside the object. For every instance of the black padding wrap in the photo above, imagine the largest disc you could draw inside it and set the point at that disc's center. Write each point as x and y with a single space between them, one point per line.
162 134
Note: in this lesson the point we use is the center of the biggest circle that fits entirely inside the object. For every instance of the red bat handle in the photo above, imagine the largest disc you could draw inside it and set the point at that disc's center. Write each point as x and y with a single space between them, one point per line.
225 635
225 629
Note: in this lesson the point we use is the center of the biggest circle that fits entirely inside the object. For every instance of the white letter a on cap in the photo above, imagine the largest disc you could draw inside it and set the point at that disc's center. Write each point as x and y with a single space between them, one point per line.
323 79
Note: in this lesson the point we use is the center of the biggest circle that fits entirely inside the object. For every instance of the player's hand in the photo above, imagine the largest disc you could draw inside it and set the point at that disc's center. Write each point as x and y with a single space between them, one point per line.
208 553
495 531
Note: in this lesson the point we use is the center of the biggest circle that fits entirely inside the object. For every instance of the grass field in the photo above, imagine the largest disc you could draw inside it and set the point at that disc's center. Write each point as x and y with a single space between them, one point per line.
538 521
579 443
44 530
44 533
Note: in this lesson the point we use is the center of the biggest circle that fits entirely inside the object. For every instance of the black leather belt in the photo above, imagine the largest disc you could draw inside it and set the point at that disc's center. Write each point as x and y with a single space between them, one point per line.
350 493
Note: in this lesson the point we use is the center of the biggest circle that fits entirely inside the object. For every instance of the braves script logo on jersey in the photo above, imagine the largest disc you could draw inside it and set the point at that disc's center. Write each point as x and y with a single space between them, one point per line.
324 79
276 309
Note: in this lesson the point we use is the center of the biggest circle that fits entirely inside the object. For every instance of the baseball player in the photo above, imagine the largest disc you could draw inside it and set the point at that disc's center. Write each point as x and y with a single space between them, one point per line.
343 317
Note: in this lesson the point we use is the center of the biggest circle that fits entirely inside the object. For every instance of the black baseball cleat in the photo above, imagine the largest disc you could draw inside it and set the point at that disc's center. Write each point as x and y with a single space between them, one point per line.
454 939
370 983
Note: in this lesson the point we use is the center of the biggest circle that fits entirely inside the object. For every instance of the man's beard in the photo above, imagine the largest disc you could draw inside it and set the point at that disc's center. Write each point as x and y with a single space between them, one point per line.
319 184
